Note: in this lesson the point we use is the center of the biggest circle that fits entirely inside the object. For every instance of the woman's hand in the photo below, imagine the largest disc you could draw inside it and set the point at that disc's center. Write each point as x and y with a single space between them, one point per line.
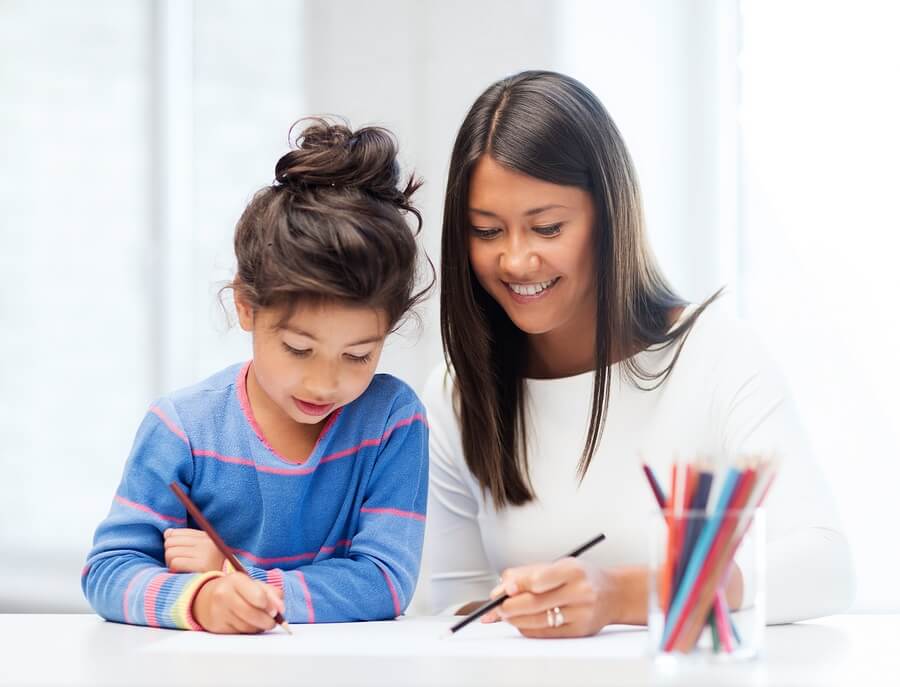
560 599
237 604
191 551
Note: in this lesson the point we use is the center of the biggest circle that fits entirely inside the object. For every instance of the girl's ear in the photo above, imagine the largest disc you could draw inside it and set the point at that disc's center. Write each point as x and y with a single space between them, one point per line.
244 310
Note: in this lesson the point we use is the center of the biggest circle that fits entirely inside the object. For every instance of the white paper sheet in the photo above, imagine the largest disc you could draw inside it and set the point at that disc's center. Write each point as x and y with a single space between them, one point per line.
420 636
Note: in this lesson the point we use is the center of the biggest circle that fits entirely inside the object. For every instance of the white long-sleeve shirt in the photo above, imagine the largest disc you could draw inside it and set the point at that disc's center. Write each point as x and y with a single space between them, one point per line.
725 398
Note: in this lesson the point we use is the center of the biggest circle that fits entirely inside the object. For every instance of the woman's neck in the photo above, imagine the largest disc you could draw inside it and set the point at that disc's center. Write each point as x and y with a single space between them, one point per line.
571 349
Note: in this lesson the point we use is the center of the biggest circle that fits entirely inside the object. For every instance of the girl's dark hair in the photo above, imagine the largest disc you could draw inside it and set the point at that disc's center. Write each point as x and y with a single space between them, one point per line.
331 226
550 127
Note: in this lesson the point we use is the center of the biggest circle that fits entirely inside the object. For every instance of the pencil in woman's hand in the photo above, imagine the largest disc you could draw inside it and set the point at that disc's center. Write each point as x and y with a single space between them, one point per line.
493 603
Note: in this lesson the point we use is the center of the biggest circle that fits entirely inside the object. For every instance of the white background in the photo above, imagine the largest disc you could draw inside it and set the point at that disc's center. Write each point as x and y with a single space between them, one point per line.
134 132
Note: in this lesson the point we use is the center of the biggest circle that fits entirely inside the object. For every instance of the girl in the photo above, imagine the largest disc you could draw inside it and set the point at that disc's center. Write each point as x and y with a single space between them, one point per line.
550 290
312 467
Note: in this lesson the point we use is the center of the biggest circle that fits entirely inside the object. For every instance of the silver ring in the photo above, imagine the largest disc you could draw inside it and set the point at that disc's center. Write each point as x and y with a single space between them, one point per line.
558 618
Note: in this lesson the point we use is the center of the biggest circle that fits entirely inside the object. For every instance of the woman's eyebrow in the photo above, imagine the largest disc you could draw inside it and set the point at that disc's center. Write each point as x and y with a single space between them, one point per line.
527 213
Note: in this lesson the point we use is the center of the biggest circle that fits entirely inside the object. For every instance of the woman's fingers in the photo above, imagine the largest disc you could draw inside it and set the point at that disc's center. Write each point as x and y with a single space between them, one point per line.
542 578
571 615
529 604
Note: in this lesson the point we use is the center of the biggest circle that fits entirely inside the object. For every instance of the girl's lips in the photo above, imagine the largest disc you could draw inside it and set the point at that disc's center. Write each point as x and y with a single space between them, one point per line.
313 408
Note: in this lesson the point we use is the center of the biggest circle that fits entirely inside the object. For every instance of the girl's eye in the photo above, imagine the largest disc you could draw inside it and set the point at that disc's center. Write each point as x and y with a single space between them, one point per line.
299 352
484 233
549 229
361 359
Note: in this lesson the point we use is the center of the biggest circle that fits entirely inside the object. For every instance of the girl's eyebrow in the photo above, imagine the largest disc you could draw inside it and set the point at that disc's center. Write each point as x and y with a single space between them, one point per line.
527 213
297 330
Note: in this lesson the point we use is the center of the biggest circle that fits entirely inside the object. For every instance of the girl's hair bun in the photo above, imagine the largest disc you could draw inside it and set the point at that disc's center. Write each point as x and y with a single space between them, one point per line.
332 155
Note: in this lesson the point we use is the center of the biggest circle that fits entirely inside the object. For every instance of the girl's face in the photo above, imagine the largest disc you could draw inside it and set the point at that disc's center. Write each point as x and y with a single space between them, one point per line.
530 247
322 358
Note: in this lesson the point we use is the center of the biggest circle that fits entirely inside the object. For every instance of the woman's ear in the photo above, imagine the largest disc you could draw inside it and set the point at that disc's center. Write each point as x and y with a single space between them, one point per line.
244 309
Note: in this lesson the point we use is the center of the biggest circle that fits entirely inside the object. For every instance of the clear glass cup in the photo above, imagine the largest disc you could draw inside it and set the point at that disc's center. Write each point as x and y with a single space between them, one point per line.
689 614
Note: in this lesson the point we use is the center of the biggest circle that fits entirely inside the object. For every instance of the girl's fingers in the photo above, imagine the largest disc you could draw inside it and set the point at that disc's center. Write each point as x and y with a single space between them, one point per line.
257 619
237 620
181 550
260 596
183 535
276 598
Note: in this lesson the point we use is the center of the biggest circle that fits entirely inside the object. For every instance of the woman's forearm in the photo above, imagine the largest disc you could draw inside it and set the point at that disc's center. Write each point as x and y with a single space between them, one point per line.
632 585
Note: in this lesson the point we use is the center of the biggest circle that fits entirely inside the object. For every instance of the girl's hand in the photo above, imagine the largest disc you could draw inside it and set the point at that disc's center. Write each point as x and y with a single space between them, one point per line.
586 601
191 551
236 604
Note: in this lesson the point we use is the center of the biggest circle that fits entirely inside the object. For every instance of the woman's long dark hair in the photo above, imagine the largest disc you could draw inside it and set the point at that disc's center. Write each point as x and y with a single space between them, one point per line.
550 127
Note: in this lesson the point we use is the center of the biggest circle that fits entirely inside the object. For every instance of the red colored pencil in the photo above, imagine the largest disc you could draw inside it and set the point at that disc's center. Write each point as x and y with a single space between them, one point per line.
207 527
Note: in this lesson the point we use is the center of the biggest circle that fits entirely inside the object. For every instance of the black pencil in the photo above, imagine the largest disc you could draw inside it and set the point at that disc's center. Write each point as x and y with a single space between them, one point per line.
493 603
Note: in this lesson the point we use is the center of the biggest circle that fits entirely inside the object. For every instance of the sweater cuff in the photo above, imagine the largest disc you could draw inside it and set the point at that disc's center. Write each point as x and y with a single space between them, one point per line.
190 594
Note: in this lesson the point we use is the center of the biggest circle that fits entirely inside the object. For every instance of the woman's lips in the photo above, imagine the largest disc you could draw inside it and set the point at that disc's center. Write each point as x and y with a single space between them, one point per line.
313 409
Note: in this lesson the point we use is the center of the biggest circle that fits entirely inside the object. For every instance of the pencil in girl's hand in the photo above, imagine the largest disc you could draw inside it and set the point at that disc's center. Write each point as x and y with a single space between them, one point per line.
207 527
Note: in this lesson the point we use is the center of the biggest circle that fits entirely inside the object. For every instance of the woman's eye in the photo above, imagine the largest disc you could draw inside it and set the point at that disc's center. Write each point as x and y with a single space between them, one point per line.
299 352
361 359
549 229
485 233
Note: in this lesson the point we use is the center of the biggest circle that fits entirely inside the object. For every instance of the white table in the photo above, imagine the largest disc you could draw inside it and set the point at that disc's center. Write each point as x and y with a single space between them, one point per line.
83 650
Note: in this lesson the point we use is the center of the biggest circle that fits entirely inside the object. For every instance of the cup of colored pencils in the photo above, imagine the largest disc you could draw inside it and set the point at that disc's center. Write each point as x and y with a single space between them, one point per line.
707 560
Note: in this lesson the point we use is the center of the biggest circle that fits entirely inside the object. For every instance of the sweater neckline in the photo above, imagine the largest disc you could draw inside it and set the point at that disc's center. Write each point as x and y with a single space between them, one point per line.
244 401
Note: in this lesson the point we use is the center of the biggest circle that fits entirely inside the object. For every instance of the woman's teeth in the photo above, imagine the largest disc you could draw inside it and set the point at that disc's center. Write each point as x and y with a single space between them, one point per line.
532 289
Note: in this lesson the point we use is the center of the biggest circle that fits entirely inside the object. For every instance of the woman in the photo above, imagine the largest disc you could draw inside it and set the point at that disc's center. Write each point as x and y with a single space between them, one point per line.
570 358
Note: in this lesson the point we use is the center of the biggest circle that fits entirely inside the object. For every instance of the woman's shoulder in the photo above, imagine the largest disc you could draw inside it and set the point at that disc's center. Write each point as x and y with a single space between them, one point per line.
727 351
438 391
720 336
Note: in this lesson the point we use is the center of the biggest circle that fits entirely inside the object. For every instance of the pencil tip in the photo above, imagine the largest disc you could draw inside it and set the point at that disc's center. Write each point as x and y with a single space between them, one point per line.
287 628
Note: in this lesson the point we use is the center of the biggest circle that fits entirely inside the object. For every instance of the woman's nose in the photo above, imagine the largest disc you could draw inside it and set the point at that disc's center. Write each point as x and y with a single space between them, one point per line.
517 259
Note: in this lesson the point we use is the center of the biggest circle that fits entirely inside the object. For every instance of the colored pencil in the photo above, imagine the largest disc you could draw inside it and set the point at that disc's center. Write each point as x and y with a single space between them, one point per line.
207 527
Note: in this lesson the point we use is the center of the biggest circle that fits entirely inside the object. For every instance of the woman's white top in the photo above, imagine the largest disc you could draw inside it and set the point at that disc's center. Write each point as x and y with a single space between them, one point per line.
724 399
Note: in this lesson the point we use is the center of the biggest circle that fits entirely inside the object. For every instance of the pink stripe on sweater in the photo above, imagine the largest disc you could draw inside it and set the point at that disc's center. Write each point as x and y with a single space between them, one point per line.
176 430
146 509
125 614
150 598
298 471
275 578
394 511
394 596
308 555
311 614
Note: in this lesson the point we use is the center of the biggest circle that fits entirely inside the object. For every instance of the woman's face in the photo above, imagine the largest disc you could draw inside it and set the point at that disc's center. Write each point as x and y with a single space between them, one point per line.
530 246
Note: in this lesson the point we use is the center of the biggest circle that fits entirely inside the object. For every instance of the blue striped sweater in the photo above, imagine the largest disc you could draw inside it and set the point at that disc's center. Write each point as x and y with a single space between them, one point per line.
341 533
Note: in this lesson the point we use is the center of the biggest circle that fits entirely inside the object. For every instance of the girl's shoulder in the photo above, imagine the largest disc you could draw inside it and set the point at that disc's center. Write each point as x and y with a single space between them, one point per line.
212 397
388 395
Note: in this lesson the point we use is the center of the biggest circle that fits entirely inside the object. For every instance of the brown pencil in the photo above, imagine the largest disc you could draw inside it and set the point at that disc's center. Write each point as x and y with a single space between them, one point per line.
217 540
